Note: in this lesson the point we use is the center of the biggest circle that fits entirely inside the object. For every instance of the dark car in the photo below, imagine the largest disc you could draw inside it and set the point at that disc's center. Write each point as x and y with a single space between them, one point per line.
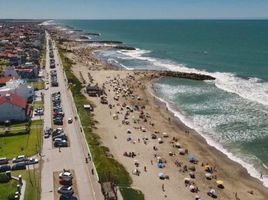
60 143
3 161
4 168
61 136
58 121
18 166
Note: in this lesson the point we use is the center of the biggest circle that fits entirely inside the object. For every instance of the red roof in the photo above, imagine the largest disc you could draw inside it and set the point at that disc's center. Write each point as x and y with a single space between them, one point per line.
5 79
14 100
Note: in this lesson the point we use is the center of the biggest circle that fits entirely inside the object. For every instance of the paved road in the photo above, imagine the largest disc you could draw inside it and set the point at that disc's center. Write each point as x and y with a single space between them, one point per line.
72 157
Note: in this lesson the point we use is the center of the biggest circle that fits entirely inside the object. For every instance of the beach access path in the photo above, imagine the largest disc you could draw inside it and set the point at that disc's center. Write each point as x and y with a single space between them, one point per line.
72 157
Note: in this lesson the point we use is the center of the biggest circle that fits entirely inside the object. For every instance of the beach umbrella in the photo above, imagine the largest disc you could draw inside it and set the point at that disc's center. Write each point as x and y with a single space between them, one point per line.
192 187
178 145
192 168
181 151
220 183
191 158
192 175
160 140
208 175
165 134
161 175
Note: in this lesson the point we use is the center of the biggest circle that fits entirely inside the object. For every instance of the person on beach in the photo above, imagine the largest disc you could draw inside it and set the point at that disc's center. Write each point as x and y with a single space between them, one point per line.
163 187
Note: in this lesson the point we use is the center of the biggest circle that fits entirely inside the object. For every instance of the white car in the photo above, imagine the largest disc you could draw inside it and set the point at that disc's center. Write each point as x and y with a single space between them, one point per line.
31 161
20 158
66 176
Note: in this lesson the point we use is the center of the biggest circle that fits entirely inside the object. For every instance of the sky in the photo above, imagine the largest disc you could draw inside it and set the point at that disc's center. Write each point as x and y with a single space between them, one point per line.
134 9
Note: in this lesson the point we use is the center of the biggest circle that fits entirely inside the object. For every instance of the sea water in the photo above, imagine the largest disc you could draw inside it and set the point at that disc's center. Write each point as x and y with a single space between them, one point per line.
231 113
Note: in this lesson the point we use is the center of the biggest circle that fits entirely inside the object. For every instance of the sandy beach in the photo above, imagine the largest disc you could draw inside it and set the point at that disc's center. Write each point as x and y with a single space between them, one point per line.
159 152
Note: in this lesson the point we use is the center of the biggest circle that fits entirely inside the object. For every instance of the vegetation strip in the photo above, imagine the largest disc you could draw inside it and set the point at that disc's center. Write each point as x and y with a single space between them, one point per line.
108 168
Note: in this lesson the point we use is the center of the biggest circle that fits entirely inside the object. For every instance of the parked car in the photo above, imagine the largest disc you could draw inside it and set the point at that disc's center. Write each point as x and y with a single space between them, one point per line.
66 182
58 121
47 132
31 161
4 168
60 143
67 197
61 136
20 158
18 166
3 161
66 176
65 190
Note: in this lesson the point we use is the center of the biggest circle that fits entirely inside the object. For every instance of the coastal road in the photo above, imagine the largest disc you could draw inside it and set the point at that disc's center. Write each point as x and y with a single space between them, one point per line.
72 157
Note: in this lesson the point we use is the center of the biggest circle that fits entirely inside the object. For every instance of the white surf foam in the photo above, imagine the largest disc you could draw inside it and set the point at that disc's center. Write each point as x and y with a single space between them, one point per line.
188 122
252 89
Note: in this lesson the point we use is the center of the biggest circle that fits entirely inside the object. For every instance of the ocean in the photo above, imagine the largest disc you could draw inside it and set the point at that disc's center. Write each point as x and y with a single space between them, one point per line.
231 113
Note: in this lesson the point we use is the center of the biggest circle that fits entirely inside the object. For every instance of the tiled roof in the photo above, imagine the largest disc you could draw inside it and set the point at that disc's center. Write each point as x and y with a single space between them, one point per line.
5 79
14 100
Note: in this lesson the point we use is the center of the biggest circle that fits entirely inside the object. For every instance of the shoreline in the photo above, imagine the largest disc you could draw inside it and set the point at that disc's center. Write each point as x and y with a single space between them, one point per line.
252 172
247 180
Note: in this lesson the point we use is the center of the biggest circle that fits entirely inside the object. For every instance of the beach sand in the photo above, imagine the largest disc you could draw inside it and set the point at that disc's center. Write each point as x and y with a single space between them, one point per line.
238 184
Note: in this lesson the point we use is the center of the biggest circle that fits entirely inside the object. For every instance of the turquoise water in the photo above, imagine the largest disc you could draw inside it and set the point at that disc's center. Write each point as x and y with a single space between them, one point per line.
230 112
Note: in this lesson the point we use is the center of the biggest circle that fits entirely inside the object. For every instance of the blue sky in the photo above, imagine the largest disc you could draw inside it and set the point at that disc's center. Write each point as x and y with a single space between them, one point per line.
133 9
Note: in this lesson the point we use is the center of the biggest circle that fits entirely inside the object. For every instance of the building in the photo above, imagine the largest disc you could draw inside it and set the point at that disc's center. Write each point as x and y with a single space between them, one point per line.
94 90
13 108
18 87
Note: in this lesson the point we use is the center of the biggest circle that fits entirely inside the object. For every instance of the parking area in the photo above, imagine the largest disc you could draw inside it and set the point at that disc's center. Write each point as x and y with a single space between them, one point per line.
65 186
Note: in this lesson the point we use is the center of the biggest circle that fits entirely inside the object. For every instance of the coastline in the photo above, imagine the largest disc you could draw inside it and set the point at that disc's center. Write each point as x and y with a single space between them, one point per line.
227 165
178 118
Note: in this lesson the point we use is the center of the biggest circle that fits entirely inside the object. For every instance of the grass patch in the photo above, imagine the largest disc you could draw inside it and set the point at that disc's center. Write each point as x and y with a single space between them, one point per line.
14 129
7 190
38 85
38 104
27 144
108 168
131 194
32 178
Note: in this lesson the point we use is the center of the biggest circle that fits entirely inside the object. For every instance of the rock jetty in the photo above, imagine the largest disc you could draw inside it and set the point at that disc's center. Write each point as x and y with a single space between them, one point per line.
192 76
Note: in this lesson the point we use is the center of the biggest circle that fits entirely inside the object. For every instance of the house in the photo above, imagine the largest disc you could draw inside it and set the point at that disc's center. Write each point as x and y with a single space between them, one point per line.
11 71
94 90
4 80
13 108
18 87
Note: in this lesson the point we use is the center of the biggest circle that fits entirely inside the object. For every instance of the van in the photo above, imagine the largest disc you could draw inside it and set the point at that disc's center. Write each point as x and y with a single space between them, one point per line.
3 161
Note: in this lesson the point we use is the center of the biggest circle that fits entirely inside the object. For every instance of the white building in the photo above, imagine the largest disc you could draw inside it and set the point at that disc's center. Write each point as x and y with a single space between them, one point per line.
18 87
13 108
